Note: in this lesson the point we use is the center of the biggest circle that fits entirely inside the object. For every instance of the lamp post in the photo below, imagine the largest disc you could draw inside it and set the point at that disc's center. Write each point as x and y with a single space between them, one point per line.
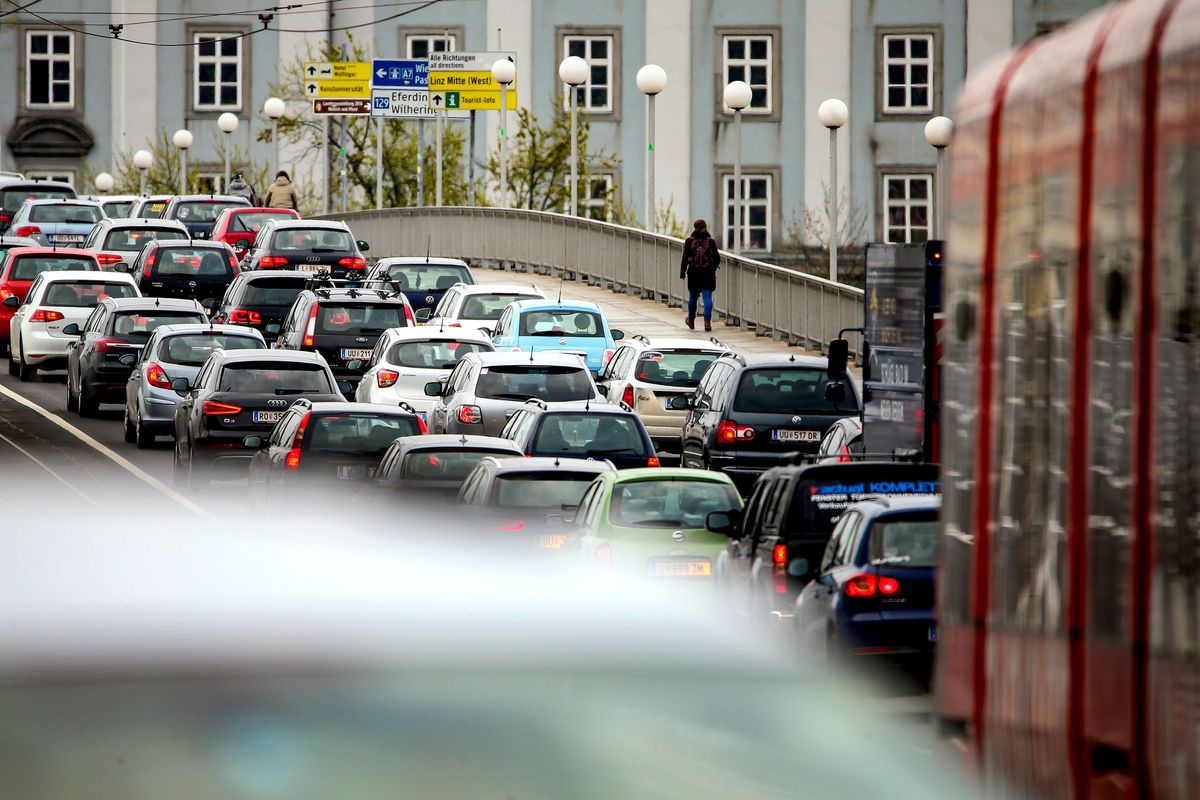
274 108
228 123
833 115
938 132
104 183
651 80
183 140
142 159
738 95
573 71
504 72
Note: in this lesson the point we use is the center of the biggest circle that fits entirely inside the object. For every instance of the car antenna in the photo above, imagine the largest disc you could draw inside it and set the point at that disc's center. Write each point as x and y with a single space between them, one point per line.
556 461
560 283
428 239
463 440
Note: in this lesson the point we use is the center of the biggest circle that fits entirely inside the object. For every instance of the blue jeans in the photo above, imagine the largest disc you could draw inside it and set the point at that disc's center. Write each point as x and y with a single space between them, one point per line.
693 296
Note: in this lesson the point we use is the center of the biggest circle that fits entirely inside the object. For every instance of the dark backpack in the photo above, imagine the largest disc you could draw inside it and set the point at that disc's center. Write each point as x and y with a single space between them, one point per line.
704 254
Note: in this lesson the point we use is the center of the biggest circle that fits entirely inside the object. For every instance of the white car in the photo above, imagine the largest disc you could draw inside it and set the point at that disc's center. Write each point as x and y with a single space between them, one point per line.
56 300
479 305
406 359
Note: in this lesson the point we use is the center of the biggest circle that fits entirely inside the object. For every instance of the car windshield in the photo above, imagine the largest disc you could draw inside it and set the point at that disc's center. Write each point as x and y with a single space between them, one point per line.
252 221
27 268
192 349
679 368
669 503
787 390
446 465
132 240
84 294
561 323
521 382
204 211
488 306
193 262
13 198
437 354
274 378
137 325
585 435
905 542
553 489
65 212
153 209
317 240
427 276
273 292
347 318
117 208
358 433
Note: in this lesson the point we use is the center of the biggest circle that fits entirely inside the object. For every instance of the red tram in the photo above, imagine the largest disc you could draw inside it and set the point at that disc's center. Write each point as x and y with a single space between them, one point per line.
1070 592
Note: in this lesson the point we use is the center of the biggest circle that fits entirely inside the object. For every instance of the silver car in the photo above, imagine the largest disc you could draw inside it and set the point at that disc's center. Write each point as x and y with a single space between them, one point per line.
57 222
173 351
117 242
485 389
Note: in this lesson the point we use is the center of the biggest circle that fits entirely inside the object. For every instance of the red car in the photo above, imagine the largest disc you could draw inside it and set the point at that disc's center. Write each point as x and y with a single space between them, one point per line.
22 267
238 227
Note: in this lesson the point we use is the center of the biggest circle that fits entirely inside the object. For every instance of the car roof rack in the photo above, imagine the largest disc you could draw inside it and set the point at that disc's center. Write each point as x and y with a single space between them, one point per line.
624 406
406 407
718 342
537 401
734 355
641 338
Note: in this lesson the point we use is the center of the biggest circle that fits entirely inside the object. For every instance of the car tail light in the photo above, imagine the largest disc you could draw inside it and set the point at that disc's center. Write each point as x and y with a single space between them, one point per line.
386 377
157 377
311 328
352 263
627 395
454 325
608 354
109 344
408 315
511 525
233 264
844 455
729 431
292 459
5 218
241 316
267 262
652 461
470 415
42 315
779 554
888 586
864 585
212 408
421 426
603 553
28 230
108 259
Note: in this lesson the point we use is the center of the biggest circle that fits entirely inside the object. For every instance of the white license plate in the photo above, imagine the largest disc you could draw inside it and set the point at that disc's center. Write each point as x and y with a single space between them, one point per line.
796 436
65 238
351 352
312 267
552 541
345 471
267 416
683 569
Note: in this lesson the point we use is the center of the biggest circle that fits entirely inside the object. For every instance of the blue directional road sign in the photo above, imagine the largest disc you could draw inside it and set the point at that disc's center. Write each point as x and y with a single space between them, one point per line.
389 73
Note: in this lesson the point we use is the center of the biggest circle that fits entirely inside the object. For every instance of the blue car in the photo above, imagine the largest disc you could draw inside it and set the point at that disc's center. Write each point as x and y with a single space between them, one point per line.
573 327
57 222
874 592
423 280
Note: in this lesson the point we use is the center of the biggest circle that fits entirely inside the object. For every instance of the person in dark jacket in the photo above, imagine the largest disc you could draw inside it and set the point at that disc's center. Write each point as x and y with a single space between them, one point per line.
699 266
239 188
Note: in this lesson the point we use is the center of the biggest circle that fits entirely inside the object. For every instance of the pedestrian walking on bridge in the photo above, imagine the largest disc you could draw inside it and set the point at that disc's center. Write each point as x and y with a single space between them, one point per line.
699 266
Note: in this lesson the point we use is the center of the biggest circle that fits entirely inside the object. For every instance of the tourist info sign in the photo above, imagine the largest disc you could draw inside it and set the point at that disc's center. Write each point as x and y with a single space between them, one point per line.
463 81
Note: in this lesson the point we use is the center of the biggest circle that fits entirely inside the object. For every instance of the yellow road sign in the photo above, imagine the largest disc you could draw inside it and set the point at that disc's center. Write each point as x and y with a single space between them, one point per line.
471 101
473 81
337 71
337 89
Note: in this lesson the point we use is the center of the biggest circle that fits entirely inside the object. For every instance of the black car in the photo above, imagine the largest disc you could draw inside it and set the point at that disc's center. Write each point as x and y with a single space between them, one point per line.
343 325
100 360
317 443
433 467
748 410
198 212
195 270
14 193
261 300
600 431
309 245
236 394
424 281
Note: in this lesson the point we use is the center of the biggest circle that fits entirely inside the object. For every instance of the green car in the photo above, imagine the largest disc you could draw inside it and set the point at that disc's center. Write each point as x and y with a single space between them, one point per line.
651 522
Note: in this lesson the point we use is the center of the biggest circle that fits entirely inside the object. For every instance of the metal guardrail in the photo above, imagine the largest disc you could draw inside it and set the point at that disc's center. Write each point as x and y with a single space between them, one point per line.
773 301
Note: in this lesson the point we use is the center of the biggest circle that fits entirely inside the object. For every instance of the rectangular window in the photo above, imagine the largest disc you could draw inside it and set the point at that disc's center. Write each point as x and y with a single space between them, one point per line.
210 183
907 202
218 71
595 95
595 196
59 176
420 45
756 212
49 69
908 66
748 58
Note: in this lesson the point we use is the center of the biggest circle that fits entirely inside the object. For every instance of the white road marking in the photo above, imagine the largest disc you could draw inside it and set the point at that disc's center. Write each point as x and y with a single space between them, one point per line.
53 474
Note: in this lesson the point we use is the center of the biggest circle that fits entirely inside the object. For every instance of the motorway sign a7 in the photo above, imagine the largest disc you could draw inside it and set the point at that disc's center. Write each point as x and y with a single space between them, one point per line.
388 73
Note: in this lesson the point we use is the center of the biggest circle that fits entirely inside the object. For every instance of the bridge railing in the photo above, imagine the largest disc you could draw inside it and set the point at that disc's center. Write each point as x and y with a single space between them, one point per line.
792 306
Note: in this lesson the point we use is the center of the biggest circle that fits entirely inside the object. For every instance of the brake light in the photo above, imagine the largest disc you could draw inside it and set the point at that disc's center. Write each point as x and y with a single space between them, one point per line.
729 431
5 218
292 459
212 408
864 585
311 328
28 230
844 455
511 525
889 586
408 315
470 415
108 259
42 315
272 261
608 354
652 461
779 554
421 426
233 264
242 317
627 395
298 438
108 344
352 263
454 325
157 377
386 377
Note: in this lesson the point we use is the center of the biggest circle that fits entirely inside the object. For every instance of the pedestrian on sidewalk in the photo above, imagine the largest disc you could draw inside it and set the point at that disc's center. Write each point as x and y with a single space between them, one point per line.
282 193
239 188
699 266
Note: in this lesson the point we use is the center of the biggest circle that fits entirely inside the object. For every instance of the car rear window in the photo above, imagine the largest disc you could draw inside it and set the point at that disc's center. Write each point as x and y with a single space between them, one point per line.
153 210
132 240
316 240
446 465
274 378
201 210
787 390
488 306
422 276
13 198
679 368
117 208
353 318
65 212
434 354
586 435
905 541
200 262
83 294
252 221
27 268
274 292
192 349
521 382
561 323
541 489
669 504
357 433
137 325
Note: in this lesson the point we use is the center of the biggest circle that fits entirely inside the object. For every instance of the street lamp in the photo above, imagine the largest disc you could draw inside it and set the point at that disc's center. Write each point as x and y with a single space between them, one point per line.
183 140
504 72
274 108
738 95
651 79
142 159
938 132
104 183
573 71
833 115
228 123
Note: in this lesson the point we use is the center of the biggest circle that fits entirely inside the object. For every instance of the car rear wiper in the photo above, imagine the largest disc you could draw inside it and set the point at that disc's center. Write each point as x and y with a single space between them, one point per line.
511 396
288 390
371 330
612 451
326 250
549 333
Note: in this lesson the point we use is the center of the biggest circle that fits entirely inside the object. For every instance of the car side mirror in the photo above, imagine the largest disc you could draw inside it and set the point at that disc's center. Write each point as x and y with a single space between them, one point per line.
798 567
354 364
435 389
345 387
423 314
617 334
209 304
362 246
725 522
181 386
129 359
121 266
273 328
602 389
11 301
72 329
839 357
679 403
835 392
253 442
